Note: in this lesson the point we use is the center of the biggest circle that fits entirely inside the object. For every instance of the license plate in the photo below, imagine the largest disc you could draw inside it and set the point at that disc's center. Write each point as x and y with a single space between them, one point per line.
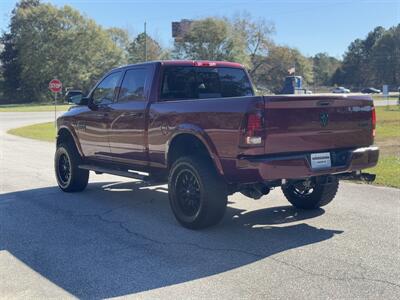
321 160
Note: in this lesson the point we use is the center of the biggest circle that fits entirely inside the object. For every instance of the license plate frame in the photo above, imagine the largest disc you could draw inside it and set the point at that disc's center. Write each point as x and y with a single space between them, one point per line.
320 161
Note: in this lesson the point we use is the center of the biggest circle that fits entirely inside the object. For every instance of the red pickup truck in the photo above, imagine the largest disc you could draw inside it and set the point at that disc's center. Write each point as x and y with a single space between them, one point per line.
199 126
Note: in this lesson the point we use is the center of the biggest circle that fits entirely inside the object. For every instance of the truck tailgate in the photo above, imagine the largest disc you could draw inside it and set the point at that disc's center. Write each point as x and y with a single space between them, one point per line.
312 123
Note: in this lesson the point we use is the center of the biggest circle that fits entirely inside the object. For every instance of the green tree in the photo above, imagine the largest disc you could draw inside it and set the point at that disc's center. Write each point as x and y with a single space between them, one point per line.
367 70
338 76
255 37
1 74
324 66
209 39
48 42
369 61
385 57
121 39
142 43
10 66
279 60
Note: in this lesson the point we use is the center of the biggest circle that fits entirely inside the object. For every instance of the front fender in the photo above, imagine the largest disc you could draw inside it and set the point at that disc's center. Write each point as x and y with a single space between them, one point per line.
72 133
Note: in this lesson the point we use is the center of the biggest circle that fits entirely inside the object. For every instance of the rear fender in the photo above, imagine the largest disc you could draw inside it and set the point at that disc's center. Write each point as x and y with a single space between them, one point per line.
203 137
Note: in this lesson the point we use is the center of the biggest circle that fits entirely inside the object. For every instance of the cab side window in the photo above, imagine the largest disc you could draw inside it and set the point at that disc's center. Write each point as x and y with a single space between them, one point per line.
104 92
133 86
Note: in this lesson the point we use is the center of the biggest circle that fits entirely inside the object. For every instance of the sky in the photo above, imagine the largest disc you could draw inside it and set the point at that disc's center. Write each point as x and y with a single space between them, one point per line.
309 25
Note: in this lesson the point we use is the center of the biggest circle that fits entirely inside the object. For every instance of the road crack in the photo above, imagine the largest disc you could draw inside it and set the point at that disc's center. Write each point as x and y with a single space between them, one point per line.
310 273
164 243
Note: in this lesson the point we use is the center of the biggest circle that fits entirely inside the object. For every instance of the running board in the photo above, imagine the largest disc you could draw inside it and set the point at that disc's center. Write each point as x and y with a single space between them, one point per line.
122 173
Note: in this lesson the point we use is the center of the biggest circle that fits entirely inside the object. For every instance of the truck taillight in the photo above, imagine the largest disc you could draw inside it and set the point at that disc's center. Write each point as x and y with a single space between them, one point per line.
373 112
254 129
254 123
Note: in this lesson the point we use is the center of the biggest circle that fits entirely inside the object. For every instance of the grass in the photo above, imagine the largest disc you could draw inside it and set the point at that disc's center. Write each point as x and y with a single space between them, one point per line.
388 122
32 107
387 171
388 139
42 131
387 132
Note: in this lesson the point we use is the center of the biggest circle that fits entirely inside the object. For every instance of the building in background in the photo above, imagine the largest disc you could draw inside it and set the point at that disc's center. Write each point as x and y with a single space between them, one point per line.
179 29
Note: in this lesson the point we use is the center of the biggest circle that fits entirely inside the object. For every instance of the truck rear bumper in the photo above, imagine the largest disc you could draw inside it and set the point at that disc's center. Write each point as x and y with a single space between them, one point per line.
296 166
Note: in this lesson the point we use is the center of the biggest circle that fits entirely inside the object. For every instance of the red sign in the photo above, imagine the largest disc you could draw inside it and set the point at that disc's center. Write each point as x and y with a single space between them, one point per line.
55 86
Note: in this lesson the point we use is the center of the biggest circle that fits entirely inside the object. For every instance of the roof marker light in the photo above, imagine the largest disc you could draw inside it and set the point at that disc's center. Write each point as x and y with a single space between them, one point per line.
204 64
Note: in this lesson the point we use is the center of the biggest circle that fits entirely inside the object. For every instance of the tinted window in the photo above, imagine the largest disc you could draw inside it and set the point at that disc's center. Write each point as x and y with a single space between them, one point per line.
204 82
132 87
179 83
104 92
234 83
208 83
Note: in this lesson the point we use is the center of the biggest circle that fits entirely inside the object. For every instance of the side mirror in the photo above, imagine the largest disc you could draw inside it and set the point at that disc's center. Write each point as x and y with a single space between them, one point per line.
76 97
84 101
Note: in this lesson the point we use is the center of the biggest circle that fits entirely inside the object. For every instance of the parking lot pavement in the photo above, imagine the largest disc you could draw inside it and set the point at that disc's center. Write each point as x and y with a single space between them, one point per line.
119 239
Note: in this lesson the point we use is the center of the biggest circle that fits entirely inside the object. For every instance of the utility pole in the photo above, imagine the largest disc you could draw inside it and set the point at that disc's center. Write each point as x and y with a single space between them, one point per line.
145 42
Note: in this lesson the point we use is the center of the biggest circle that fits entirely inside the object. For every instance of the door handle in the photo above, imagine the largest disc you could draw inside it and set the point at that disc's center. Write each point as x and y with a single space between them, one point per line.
132 114
101 115
324 103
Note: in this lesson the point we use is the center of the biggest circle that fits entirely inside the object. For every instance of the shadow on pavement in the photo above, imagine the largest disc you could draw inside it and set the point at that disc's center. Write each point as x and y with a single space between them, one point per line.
121 238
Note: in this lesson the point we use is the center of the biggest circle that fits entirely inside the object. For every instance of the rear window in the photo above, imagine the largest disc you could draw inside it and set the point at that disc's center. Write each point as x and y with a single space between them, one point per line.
180 83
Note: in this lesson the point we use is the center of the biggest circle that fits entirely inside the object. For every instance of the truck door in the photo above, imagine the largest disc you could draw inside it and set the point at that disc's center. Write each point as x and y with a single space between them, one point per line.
128 117
93 126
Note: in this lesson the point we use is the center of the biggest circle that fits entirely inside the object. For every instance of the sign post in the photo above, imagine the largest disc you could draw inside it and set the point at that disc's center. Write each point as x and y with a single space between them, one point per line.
385 92
55 86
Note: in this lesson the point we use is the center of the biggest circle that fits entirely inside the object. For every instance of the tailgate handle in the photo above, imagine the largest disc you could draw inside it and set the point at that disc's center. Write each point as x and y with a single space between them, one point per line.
323 103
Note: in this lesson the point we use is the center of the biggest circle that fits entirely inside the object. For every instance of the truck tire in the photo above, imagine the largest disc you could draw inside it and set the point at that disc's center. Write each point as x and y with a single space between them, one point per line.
69 177
313 197
197 195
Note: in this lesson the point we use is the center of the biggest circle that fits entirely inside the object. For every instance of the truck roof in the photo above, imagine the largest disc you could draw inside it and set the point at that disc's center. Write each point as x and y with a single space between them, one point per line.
199 63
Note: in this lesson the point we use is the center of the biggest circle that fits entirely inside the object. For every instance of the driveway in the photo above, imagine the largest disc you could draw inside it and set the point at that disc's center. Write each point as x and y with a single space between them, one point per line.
119 238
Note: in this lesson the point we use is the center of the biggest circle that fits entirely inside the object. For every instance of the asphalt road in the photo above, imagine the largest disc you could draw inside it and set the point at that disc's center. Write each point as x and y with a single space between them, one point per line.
119 238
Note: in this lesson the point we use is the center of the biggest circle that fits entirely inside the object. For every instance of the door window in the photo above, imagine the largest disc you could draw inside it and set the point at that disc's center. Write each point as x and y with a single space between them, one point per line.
104 92
133 85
